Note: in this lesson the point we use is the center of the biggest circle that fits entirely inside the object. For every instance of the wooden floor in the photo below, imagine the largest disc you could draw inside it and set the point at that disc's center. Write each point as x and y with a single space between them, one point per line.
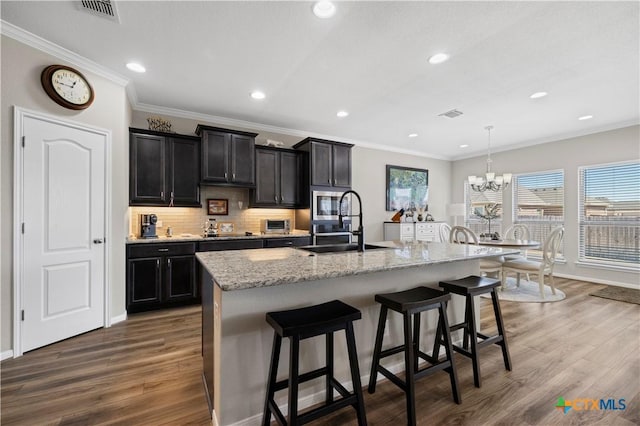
147 371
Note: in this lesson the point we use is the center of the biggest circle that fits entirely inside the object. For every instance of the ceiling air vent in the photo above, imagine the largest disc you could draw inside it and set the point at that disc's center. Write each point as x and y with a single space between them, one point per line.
451 114
105 8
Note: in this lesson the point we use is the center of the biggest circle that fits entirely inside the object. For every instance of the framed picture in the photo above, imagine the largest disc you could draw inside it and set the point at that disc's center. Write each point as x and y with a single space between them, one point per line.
217 206
407 188
225 227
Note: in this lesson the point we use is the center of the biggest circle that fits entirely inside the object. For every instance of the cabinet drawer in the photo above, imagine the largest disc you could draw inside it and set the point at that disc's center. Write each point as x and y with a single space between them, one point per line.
286 242
406 230
425 227
149 250
229 245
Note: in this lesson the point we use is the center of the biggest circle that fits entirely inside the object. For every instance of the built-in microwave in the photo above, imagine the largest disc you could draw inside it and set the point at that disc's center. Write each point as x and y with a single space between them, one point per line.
326 203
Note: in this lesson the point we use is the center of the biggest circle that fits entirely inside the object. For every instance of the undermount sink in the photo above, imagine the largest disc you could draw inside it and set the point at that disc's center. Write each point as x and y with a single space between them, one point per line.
337 248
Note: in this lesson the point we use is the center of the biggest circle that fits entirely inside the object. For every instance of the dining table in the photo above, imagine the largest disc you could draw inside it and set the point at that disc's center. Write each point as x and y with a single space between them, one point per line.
521 244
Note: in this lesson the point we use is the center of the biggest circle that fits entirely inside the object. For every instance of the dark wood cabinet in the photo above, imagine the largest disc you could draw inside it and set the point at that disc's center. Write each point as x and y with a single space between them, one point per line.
287 242
277 178
329 162
228 156
160 276
240 244
164 169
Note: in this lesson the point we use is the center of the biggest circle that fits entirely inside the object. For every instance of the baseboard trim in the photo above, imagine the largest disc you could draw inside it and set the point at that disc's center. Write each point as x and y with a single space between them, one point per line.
595 280
6 354
119 318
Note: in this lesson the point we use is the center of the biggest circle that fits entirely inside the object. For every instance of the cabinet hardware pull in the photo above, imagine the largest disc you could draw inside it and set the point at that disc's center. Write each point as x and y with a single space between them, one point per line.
163 249
171 200
157 263
335 181
161 194
98 241
329 181
225 175
276 198
234 176
169 263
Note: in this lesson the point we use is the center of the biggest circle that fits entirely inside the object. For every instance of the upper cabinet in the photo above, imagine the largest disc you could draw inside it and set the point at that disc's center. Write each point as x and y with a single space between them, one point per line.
164 169
329 162
278 177
228 156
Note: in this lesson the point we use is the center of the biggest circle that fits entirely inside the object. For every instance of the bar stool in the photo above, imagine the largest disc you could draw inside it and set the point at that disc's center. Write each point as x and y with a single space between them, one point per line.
300 324
470 287
408 303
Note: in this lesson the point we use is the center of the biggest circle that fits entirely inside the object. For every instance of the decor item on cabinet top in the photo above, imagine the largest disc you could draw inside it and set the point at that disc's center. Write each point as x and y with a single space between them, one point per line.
490 182
396 217
406 185
277 144
159 124
217 206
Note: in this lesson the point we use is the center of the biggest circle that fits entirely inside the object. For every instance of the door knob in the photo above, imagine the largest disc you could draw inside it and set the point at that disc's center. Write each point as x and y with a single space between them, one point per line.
98 241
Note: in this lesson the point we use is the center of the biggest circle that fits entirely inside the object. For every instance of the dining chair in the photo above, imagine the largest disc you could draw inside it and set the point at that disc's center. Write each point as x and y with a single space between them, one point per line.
444 230
517 231
550 249
464 235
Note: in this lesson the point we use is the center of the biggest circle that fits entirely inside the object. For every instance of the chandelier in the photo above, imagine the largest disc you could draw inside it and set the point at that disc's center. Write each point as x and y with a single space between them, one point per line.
490 181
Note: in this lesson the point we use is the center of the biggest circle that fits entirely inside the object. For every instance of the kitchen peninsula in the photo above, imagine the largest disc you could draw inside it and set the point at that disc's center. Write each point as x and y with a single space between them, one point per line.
239 287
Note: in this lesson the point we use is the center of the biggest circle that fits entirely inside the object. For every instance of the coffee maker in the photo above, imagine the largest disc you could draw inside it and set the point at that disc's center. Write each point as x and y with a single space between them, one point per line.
148 225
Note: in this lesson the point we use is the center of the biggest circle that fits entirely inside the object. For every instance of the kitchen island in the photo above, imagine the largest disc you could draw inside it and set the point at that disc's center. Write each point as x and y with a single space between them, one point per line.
239 287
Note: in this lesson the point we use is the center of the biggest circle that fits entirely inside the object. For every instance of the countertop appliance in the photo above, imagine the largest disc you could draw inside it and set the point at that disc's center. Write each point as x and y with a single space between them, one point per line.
275 226
148 225
210 228
325 205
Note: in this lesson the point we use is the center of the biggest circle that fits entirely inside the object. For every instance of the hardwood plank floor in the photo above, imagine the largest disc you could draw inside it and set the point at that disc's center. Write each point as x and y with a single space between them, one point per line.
146 371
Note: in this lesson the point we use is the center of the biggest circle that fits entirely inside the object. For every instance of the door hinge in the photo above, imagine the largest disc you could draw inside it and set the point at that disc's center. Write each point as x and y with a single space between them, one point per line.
22 315
22 227
24 138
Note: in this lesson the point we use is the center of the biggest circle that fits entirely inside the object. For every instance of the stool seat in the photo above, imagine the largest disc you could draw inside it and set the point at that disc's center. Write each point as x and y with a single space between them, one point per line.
415 299
471 285
410 304
302 323
313 320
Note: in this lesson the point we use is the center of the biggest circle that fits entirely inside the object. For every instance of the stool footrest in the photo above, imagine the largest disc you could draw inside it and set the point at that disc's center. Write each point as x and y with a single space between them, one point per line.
457 326
316 413
283 384
392 377
280 418
426 371
489 340
341 389
391 351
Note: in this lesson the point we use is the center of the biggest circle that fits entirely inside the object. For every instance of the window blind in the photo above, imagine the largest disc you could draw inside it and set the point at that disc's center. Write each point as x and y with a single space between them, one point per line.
609 213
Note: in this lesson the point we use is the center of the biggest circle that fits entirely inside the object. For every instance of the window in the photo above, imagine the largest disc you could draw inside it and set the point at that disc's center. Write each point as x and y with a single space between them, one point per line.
476 203
538 200
609 213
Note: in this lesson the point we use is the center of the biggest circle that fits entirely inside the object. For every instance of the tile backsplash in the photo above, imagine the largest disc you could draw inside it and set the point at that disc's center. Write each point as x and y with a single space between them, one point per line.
189 220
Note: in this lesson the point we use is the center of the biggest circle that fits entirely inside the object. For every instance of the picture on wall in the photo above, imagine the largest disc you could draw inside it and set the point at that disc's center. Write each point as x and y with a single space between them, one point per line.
407 188
217 206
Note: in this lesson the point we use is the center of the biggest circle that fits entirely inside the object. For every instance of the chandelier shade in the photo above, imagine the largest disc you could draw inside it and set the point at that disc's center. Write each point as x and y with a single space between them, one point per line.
489 182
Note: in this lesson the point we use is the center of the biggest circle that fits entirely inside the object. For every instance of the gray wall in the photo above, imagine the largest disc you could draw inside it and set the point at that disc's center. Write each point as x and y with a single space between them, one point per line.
21 68
568 154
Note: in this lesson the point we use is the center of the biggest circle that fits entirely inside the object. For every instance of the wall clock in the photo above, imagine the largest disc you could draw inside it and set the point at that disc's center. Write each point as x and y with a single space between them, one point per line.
67 87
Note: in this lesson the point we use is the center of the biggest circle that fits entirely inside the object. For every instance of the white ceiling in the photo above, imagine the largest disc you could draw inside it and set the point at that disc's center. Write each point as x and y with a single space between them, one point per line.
371 60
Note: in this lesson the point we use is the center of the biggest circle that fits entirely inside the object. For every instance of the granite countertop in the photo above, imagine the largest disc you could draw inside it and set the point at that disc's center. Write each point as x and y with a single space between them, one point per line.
179 238
244 269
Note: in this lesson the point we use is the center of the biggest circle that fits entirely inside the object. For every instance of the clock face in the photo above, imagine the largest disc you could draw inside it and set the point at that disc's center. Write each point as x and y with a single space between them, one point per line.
67 87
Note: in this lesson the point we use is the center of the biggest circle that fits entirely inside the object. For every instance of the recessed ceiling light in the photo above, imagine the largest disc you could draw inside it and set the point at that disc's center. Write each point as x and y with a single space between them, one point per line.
136 67
324 9
413 135
342 114
258 95
585 117
438 58
464 146
538 95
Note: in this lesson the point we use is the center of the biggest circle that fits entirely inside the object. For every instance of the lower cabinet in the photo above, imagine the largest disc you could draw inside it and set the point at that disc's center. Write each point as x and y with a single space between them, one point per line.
161 276
286 242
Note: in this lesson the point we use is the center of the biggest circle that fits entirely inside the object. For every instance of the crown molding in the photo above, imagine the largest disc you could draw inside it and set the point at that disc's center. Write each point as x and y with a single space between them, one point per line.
37 42
248 125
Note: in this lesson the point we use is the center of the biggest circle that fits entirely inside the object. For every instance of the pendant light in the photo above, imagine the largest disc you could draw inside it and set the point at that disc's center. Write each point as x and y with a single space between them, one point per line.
490 181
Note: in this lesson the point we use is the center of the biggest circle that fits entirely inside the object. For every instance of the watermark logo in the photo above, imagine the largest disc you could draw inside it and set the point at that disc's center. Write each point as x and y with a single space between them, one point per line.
589 404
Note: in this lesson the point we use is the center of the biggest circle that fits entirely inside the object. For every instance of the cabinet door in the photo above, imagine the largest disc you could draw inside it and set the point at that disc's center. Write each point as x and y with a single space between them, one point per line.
341 165
185 171
289 179
266 192
180 281
215 156
321 164
242 159
143 283
148 171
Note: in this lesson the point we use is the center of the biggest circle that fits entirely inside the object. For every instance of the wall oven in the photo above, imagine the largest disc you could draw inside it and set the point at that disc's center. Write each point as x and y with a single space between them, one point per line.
330 233
325 205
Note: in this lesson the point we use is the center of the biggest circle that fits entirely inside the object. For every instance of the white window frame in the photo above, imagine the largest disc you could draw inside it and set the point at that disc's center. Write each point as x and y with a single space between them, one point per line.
537 253
594 261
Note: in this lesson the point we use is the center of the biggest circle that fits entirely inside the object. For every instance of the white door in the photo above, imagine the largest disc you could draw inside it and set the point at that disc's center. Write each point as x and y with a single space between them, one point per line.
63 212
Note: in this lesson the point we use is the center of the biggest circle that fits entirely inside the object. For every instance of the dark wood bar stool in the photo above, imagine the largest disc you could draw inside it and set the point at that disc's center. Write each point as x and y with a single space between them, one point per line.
411 303
469 287
300 324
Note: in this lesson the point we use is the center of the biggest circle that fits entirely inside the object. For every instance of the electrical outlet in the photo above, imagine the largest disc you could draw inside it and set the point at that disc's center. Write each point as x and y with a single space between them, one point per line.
159 224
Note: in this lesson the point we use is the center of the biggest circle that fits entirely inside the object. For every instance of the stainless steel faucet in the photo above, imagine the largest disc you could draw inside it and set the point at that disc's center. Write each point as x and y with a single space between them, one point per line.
360 232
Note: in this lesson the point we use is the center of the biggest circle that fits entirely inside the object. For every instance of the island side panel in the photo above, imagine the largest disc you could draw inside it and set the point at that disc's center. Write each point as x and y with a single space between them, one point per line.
247 338
211 297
